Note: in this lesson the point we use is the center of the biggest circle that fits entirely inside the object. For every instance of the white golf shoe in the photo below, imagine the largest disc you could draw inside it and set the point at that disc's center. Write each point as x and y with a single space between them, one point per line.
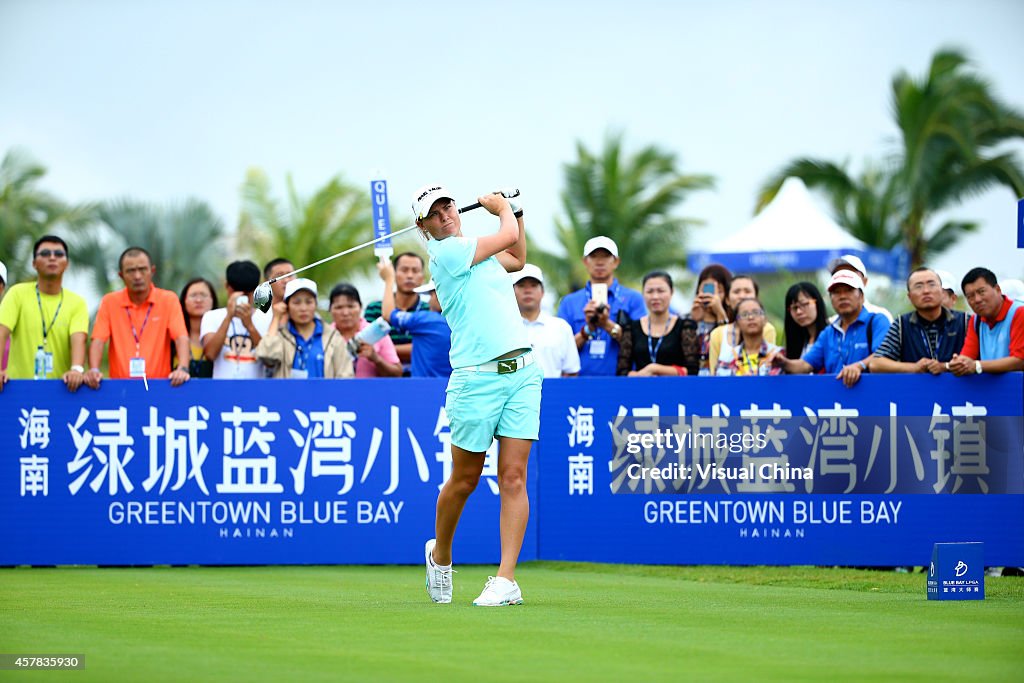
499 592
439 579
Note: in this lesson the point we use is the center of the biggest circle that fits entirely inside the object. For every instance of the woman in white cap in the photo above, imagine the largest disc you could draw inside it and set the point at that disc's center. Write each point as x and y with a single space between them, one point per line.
494 389
303 347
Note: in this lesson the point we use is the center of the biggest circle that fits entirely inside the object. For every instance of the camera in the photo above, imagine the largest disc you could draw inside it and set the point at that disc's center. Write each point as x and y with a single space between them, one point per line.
241 299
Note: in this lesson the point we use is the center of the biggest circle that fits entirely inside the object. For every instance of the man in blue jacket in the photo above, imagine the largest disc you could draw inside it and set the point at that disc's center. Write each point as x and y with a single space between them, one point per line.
597 325
854 334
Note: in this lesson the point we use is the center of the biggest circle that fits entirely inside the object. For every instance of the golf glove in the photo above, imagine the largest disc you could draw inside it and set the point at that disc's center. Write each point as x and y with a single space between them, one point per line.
517 208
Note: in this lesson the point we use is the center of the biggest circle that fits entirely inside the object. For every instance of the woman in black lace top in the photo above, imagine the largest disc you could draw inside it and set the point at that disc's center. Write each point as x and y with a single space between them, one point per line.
662 344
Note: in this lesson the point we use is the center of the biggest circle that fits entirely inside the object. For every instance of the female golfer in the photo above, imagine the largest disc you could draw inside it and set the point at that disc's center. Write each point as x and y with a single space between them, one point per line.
494 389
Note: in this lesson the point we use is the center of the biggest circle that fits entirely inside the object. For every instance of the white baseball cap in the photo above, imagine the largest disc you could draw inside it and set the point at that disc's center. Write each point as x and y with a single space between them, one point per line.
602 242
529 270
426 287
946 278
3 272
425 197
299 284
848 260
1012 288
845 277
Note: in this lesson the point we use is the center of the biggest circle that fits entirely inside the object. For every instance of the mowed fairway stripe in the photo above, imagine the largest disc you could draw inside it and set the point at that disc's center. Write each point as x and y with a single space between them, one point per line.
580 622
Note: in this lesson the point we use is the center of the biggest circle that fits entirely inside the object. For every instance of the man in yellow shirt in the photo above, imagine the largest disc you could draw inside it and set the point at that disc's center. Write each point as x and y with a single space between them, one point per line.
47 324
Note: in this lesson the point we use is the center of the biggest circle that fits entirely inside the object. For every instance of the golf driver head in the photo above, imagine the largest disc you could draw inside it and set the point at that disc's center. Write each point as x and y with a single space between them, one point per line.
263 297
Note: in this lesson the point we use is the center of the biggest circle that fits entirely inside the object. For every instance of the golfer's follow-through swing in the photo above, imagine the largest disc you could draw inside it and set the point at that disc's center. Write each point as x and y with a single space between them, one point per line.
495 385
263 297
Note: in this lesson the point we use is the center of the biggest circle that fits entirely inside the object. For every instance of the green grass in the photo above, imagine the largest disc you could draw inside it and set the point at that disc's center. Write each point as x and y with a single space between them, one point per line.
580 622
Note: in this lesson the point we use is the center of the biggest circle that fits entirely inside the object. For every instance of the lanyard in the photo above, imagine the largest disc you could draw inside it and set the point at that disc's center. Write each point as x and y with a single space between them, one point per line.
304 346
42 317
301 352
652 349
137 335
932 353
751 365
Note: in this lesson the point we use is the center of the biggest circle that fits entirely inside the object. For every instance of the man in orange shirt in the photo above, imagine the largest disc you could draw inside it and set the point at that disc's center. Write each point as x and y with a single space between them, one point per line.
140 322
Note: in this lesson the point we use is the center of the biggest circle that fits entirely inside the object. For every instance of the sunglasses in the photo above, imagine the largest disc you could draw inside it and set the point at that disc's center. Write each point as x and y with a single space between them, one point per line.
47 253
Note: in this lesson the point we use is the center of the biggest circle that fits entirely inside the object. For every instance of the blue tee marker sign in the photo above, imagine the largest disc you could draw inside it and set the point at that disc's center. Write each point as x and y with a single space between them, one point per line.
1020 223
957 572
381 218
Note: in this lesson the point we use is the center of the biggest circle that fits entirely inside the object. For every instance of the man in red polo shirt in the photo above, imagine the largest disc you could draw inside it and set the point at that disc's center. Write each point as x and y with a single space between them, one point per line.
995 333
140 322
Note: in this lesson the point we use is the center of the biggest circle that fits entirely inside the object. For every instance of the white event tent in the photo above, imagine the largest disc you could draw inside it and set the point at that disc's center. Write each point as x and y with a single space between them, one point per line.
793 234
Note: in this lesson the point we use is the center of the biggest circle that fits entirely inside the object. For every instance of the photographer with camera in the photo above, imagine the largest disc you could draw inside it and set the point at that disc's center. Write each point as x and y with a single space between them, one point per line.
710 308
600 311
230 334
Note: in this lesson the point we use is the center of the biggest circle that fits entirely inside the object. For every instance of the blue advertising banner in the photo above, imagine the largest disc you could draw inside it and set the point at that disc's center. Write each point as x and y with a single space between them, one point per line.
881 491
233 472
381 217
325 471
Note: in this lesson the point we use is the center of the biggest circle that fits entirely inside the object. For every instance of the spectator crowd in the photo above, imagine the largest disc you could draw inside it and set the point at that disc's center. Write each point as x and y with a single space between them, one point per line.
602 329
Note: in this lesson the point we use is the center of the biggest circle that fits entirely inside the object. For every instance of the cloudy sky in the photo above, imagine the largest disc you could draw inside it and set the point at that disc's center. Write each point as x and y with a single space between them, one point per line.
166 100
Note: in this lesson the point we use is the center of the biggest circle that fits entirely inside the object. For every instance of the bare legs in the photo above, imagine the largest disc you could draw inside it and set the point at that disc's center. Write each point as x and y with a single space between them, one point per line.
466 468
515 506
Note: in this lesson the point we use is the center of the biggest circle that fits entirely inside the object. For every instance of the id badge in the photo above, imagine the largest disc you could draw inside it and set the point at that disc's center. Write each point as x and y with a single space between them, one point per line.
137 367
49 363
300 374
598 347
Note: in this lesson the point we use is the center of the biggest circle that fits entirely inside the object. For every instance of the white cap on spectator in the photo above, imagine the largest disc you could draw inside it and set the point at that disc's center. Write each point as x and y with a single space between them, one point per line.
297 285
426 287
946 278
845 277
529 270
848 260
602 242
3 272
425 197
1012 288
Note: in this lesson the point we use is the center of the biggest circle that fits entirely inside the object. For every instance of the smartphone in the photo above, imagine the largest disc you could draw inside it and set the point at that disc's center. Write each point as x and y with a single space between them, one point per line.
599 293
708 288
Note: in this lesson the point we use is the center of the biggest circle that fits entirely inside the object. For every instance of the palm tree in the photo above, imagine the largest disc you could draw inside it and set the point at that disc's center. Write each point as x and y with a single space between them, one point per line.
334 218
184 240
951 126
27 212
628 197
951 123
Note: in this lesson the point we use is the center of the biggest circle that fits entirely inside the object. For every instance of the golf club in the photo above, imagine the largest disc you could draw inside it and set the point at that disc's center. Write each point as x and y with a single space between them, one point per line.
263 297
